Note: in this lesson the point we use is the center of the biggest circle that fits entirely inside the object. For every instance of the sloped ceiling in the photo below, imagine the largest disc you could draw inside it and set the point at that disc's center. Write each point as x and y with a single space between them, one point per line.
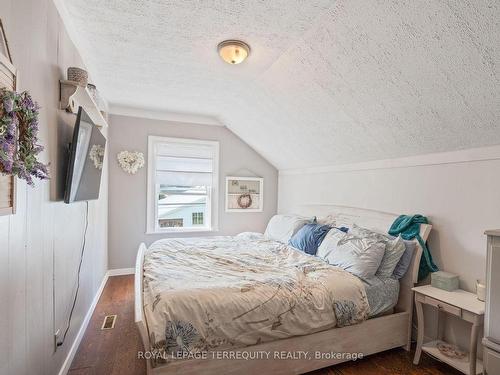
327 82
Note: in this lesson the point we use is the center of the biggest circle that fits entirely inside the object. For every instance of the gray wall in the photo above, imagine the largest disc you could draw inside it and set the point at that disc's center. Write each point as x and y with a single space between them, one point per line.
42 240
127 200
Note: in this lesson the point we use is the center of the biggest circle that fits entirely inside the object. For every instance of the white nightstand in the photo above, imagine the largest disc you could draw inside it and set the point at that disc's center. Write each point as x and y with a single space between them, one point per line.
460 303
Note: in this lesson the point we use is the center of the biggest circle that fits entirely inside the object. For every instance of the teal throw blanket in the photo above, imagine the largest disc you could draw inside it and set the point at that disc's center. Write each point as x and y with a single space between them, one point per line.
409 228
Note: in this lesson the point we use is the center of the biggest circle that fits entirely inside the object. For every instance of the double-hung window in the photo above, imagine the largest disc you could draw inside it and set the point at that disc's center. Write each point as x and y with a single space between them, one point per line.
182 185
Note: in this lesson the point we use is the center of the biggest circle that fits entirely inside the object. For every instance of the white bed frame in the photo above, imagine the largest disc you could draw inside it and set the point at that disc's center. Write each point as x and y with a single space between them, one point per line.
369 337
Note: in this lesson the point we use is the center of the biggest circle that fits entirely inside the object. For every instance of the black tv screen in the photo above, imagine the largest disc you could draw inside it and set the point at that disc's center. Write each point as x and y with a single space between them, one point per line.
86 158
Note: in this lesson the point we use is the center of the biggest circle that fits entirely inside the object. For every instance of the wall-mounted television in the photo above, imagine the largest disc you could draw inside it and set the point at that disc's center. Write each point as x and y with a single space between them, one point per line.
86 157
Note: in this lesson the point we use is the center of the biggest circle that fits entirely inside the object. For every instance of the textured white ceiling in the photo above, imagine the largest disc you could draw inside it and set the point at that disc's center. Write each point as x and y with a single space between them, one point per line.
327 82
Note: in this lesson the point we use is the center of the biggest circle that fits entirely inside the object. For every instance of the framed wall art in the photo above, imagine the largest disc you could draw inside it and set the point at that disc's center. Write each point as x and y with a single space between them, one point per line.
244 194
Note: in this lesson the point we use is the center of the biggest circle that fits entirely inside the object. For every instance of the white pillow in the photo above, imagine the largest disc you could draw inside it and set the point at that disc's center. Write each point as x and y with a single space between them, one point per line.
327 220
394 249
360 256
282 227
329 243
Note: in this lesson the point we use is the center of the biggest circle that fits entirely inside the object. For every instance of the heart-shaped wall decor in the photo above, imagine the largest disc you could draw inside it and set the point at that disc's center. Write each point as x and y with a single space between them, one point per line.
131 161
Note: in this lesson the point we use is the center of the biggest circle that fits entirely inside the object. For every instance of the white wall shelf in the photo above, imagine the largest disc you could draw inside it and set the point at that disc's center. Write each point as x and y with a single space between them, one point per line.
73 95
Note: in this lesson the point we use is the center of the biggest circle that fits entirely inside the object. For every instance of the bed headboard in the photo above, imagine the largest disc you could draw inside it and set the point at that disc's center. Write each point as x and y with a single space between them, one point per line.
379 221
346 216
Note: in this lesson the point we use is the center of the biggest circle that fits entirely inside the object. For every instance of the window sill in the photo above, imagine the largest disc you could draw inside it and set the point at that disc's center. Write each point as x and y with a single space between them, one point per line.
183 230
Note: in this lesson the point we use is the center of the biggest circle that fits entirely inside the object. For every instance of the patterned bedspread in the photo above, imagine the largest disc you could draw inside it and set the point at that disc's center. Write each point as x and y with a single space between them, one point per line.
221 293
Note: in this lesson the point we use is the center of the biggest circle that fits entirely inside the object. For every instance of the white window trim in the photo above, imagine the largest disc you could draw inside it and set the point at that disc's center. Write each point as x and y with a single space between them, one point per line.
151 211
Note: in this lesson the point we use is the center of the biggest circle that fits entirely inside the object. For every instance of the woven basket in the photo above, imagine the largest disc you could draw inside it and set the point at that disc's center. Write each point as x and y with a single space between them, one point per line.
78 75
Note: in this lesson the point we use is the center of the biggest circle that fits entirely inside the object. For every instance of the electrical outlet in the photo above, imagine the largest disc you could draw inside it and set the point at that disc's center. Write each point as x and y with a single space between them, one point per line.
56 339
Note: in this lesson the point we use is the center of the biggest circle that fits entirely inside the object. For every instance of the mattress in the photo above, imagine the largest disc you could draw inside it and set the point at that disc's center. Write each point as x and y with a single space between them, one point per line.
221 293
382 294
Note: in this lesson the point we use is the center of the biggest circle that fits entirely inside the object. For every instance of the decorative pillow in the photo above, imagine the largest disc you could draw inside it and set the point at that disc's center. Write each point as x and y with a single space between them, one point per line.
335 221
309 237
394 249
329 242
282 227
360 256
404 262
327 220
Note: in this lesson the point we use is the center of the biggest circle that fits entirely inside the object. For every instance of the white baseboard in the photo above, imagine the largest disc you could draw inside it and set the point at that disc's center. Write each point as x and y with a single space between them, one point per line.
74 347
121 271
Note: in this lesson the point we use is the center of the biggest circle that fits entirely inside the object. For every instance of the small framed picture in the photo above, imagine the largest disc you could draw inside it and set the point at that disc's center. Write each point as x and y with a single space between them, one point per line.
244 194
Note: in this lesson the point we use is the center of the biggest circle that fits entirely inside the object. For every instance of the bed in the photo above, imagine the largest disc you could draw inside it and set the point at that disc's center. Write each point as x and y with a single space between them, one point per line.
249 296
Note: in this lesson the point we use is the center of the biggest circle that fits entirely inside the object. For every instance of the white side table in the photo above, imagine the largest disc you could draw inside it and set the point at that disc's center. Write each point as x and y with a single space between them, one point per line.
460 303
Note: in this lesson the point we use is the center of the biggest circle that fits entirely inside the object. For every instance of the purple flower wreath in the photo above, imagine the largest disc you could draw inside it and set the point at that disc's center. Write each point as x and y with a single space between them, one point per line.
18 137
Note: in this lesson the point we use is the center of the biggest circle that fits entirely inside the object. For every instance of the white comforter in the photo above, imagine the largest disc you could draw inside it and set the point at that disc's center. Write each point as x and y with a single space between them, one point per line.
227 292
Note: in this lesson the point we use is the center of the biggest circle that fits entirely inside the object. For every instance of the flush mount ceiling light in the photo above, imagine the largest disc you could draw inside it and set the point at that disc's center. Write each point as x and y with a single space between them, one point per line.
233 51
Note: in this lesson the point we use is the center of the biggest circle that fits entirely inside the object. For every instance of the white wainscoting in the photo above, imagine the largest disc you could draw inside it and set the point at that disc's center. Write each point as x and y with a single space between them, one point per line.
40 245
458 191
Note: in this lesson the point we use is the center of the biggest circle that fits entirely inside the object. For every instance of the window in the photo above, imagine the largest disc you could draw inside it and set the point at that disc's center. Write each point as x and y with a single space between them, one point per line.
197 218
182 185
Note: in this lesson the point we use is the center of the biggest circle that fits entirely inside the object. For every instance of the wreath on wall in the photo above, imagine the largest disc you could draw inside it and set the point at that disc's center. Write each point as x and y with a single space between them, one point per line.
19 137
245 200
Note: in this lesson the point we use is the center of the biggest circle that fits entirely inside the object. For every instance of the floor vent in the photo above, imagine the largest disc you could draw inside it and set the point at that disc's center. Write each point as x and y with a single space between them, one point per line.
109 322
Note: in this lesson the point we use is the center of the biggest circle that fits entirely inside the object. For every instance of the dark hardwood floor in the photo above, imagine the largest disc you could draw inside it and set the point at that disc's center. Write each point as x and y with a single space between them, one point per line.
114 352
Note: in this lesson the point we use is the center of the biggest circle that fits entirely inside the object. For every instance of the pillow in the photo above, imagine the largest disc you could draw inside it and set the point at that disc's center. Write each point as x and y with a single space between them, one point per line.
309 237
327 220
282 227
329 242
360 256
404 262
394 249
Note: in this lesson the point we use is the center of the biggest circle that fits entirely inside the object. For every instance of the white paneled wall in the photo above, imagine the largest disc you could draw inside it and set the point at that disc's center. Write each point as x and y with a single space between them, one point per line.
458 191
40 245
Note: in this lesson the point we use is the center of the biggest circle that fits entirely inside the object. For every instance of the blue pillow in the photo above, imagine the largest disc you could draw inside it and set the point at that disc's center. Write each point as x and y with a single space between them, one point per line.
404 262
309 237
